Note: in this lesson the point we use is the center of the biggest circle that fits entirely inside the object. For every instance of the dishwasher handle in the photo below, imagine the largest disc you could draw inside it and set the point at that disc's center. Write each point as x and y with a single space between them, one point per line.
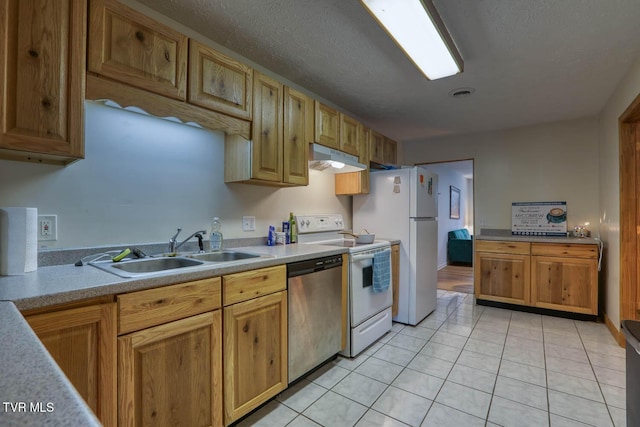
301 268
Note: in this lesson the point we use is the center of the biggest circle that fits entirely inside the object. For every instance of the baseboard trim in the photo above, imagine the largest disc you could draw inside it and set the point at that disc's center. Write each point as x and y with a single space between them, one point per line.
538 310
617 335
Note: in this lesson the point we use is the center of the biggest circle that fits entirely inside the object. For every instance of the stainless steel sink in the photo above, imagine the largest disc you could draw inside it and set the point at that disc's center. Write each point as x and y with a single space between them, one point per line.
223 256
146 266
159 264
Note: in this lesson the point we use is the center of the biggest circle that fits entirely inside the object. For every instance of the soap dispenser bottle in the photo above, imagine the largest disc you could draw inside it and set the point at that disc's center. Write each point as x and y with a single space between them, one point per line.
215 238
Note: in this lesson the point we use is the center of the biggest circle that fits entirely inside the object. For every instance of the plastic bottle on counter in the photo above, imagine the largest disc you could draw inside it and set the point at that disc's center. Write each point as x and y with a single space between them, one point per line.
293 229
215 238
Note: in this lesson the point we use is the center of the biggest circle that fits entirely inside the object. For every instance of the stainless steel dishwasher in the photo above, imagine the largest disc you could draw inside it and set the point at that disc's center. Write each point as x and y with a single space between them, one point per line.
315 313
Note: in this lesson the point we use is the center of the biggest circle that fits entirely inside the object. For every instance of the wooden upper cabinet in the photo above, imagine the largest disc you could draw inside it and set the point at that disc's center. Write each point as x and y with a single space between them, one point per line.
298 133
42 80
267 142
390 152
327 130
219 82
127 46
376 147
350 134
363 152
382 149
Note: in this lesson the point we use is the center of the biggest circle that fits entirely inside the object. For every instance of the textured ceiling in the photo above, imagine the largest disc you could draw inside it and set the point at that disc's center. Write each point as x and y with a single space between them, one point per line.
530 61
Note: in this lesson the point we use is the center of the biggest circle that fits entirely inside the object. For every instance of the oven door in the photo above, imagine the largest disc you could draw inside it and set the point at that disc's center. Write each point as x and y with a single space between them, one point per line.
364 302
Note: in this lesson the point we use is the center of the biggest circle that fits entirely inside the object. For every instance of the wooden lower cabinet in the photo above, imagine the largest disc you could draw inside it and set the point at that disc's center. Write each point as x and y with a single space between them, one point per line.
82 341
255 353
555 276
171 374
564 283
395 277
503 277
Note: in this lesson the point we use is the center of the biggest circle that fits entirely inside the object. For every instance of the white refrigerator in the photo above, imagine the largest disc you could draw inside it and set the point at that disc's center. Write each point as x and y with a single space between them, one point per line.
403 204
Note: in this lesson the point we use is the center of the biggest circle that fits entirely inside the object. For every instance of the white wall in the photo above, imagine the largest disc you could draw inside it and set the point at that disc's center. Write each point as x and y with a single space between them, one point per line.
557 161
447 177
143 177
625 93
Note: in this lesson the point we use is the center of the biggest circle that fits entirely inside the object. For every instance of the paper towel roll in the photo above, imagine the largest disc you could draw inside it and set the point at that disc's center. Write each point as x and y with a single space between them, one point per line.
18 241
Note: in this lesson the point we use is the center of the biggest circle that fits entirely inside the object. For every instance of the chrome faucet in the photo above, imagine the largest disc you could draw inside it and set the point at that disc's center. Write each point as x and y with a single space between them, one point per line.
174 245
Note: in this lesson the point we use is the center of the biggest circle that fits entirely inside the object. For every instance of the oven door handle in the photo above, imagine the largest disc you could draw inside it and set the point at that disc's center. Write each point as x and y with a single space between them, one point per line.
356 258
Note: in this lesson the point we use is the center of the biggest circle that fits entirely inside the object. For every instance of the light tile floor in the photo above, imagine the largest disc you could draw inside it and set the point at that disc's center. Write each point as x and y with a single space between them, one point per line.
466 365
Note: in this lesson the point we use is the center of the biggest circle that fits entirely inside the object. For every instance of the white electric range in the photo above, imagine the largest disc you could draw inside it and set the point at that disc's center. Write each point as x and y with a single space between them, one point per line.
369 312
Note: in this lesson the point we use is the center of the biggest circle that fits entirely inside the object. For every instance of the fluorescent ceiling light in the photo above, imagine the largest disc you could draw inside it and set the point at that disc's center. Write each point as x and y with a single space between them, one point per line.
417 29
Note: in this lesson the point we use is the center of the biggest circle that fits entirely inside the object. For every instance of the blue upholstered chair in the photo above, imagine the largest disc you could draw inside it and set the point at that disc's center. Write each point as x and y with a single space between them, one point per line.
460 247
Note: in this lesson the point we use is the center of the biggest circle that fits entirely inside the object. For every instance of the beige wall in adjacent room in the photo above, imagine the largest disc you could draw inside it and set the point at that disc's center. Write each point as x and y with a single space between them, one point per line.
547 162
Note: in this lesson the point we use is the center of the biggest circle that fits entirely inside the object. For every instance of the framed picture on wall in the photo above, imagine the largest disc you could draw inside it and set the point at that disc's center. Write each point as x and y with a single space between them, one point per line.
454 202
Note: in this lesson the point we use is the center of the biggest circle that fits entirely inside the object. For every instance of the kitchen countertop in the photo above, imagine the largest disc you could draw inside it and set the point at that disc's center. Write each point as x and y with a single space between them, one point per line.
505 235
29 374
66 283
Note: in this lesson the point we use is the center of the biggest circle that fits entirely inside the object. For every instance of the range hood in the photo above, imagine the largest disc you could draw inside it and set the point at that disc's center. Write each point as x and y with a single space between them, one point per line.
327 159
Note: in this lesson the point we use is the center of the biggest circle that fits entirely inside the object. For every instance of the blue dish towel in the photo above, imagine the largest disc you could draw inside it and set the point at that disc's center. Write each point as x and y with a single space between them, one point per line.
381 270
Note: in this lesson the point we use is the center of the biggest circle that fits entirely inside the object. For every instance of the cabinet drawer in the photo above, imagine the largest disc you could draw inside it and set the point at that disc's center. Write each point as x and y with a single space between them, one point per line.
251 284
502 247
561 249
139 310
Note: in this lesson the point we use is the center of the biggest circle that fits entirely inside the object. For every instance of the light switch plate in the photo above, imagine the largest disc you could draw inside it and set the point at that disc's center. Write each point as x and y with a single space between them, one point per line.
248 223
47 227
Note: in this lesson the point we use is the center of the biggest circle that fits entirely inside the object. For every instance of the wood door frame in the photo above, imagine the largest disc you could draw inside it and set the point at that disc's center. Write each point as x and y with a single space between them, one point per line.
629 130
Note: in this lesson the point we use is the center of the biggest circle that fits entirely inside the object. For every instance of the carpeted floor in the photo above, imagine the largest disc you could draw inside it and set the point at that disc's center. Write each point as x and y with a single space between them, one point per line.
456 278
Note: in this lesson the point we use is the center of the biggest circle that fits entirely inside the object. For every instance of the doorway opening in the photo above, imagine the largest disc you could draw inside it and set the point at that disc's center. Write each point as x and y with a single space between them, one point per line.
629 128
455 224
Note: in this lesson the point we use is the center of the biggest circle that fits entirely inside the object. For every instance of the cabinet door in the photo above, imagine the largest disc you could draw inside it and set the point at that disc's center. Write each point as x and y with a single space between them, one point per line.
567 284
298 133
376 147
219 82
350 134
363 151
82 341
327 126
390 152
42 75
356 182
395 277
502 277
130 47
171 374
351 183
255 353
267 143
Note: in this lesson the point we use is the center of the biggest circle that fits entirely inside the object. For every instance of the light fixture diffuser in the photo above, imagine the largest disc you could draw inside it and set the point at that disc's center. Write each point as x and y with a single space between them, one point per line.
417 29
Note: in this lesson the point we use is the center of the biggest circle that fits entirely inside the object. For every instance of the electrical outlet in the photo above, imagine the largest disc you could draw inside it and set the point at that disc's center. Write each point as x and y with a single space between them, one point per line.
248 223
47 227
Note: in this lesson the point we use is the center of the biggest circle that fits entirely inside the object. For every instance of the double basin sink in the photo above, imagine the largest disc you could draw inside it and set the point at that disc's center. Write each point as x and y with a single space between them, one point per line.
153 265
